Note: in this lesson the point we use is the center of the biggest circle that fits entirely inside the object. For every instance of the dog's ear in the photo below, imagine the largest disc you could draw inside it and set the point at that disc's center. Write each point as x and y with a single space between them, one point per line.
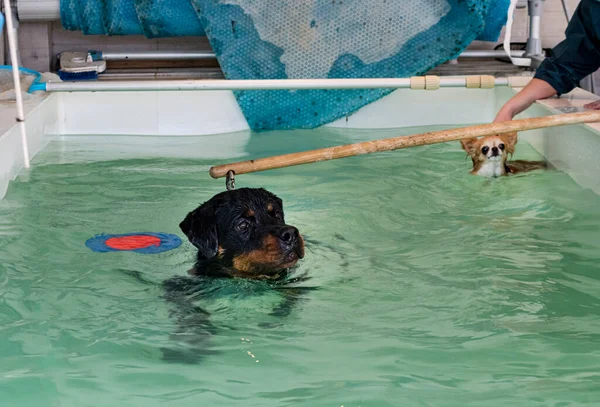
279 203
510 139
200 226
275 198
469 145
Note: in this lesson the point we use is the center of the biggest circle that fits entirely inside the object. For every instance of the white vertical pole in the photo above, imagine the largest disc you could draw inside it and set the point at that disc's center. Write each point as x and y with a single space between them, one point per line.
12 47
508 33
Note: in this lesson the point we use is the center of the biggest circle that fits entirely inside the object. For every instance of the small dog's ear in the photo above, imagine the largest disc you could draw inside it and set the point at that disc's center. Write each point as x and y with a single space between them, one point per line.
200 226
469 145
510 139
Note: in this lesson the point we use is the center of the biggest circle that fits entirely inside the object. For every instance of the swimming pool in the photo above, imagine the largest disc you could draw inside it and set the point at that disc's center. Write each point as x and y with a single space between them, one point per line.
435 287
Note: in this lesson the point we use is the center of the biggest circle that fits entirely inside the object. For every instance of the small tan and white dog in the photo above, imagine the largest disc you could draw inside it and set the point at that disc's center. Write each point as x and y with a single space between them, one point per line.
490 156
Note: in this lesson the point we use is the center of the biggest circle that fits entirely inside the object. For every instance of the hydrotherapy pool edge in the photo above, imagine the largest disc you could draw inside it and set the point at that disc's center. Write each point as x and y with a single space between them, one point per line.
215 114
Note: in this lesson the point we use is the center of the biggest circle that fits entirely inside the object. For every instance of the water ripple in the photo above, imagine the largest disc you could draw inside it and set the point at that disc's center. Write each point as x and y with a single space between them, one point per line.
434 287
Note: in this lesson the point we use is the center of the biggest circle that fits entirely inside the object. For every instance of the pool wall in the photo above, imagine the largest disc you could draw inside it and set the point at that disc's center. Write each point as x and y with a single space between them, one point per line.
216 116
42 121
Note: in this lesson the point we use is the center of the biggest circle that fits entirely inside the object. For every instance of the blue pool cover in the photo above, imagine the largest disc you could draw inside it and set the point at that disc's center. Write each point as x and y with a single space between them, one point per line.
274 39
152 18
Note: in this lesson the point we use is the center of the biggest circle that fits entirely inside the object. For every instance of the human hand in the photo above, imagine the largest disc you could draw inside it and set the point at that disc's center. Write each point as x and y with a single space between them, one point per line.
536 89
594 105
503 116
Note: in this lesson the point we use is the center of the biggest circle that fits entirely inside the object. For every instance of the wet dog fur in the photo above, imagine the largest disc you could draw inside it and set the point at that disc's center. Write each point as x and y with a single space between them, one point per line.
490 156
238 234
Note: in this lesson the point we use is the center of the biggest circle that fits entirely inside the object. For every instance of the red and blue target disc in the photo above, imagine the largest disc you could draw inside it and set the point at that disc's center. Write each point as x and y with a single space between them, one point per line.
143 242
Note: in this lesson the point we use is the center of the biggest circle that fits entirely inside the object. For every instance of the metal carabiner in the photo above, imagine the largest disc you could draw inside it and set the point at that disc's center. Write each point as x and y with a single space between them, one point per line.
230 180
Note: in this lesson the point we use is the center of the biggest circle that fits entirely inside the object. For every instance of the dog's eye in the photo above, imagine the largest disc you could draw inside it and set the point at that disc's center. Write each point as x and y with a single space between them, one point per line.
485 149
243 224
501 146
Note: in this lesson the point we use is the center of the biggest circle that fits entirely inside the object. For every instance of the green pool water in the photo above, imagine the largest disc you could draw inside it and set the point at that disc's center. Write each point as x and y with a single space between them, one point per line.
436 287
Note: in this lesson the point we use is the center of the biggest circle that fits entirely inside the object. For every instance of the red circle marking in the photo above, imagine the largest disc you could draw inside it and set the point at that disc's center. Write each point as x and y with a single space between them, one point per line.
132 242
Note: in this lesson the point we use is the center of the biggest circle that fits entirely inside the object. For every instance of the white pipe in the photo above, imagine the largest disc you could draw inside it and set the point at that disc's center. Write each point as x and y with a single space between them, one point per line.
12 46
195 55
259 84
38 10
489 54
262 84
166 73
157 55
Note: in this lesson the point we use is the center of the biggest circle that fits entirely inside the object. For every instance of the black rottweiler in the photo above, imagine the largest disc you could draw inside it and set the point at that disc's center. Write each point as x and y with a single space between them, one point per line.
242 233
238 234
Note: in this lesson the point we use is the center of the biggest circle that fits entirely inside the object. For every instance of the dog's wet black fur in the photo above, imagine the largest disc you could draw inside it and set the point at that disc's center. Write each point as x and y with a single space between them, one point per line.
242 233
238 234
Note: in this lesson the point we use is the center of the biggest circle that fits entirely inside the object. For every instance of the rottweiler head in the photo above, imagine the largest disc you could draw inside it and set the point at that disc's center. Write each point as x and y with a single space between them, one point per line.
242 233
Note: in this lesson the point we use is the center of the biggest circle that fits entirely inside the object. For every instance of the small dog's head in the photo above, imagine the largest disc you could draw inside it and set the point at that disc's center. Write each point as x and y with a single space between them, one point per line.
490 149
243 233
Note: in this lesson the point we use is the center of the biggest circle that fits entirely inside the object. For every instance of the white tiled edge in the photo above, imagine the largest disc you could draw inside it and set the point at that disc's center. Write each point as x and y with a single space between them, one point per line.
569 103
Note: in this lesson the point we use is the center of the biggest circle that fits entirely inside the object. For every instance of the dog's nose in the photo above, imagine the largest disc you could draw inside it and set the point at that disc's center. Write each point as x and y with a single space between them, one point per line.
494 151
289 235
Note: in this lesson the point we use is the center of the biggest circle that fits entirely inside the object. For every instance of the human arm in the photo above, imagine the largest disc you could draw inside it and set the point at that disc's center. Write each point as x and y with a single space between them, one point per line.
536 89
571 60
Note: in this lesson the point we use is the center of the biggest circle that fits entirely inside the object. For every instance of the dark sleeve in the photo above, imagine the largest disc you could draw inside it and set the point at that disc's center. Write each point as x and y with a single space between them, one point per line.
579 54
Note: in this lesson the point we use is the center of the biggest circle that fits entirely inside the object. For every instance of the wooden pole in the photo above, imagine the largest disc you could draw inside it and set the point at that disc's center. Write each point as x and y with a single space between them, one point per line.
395 143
